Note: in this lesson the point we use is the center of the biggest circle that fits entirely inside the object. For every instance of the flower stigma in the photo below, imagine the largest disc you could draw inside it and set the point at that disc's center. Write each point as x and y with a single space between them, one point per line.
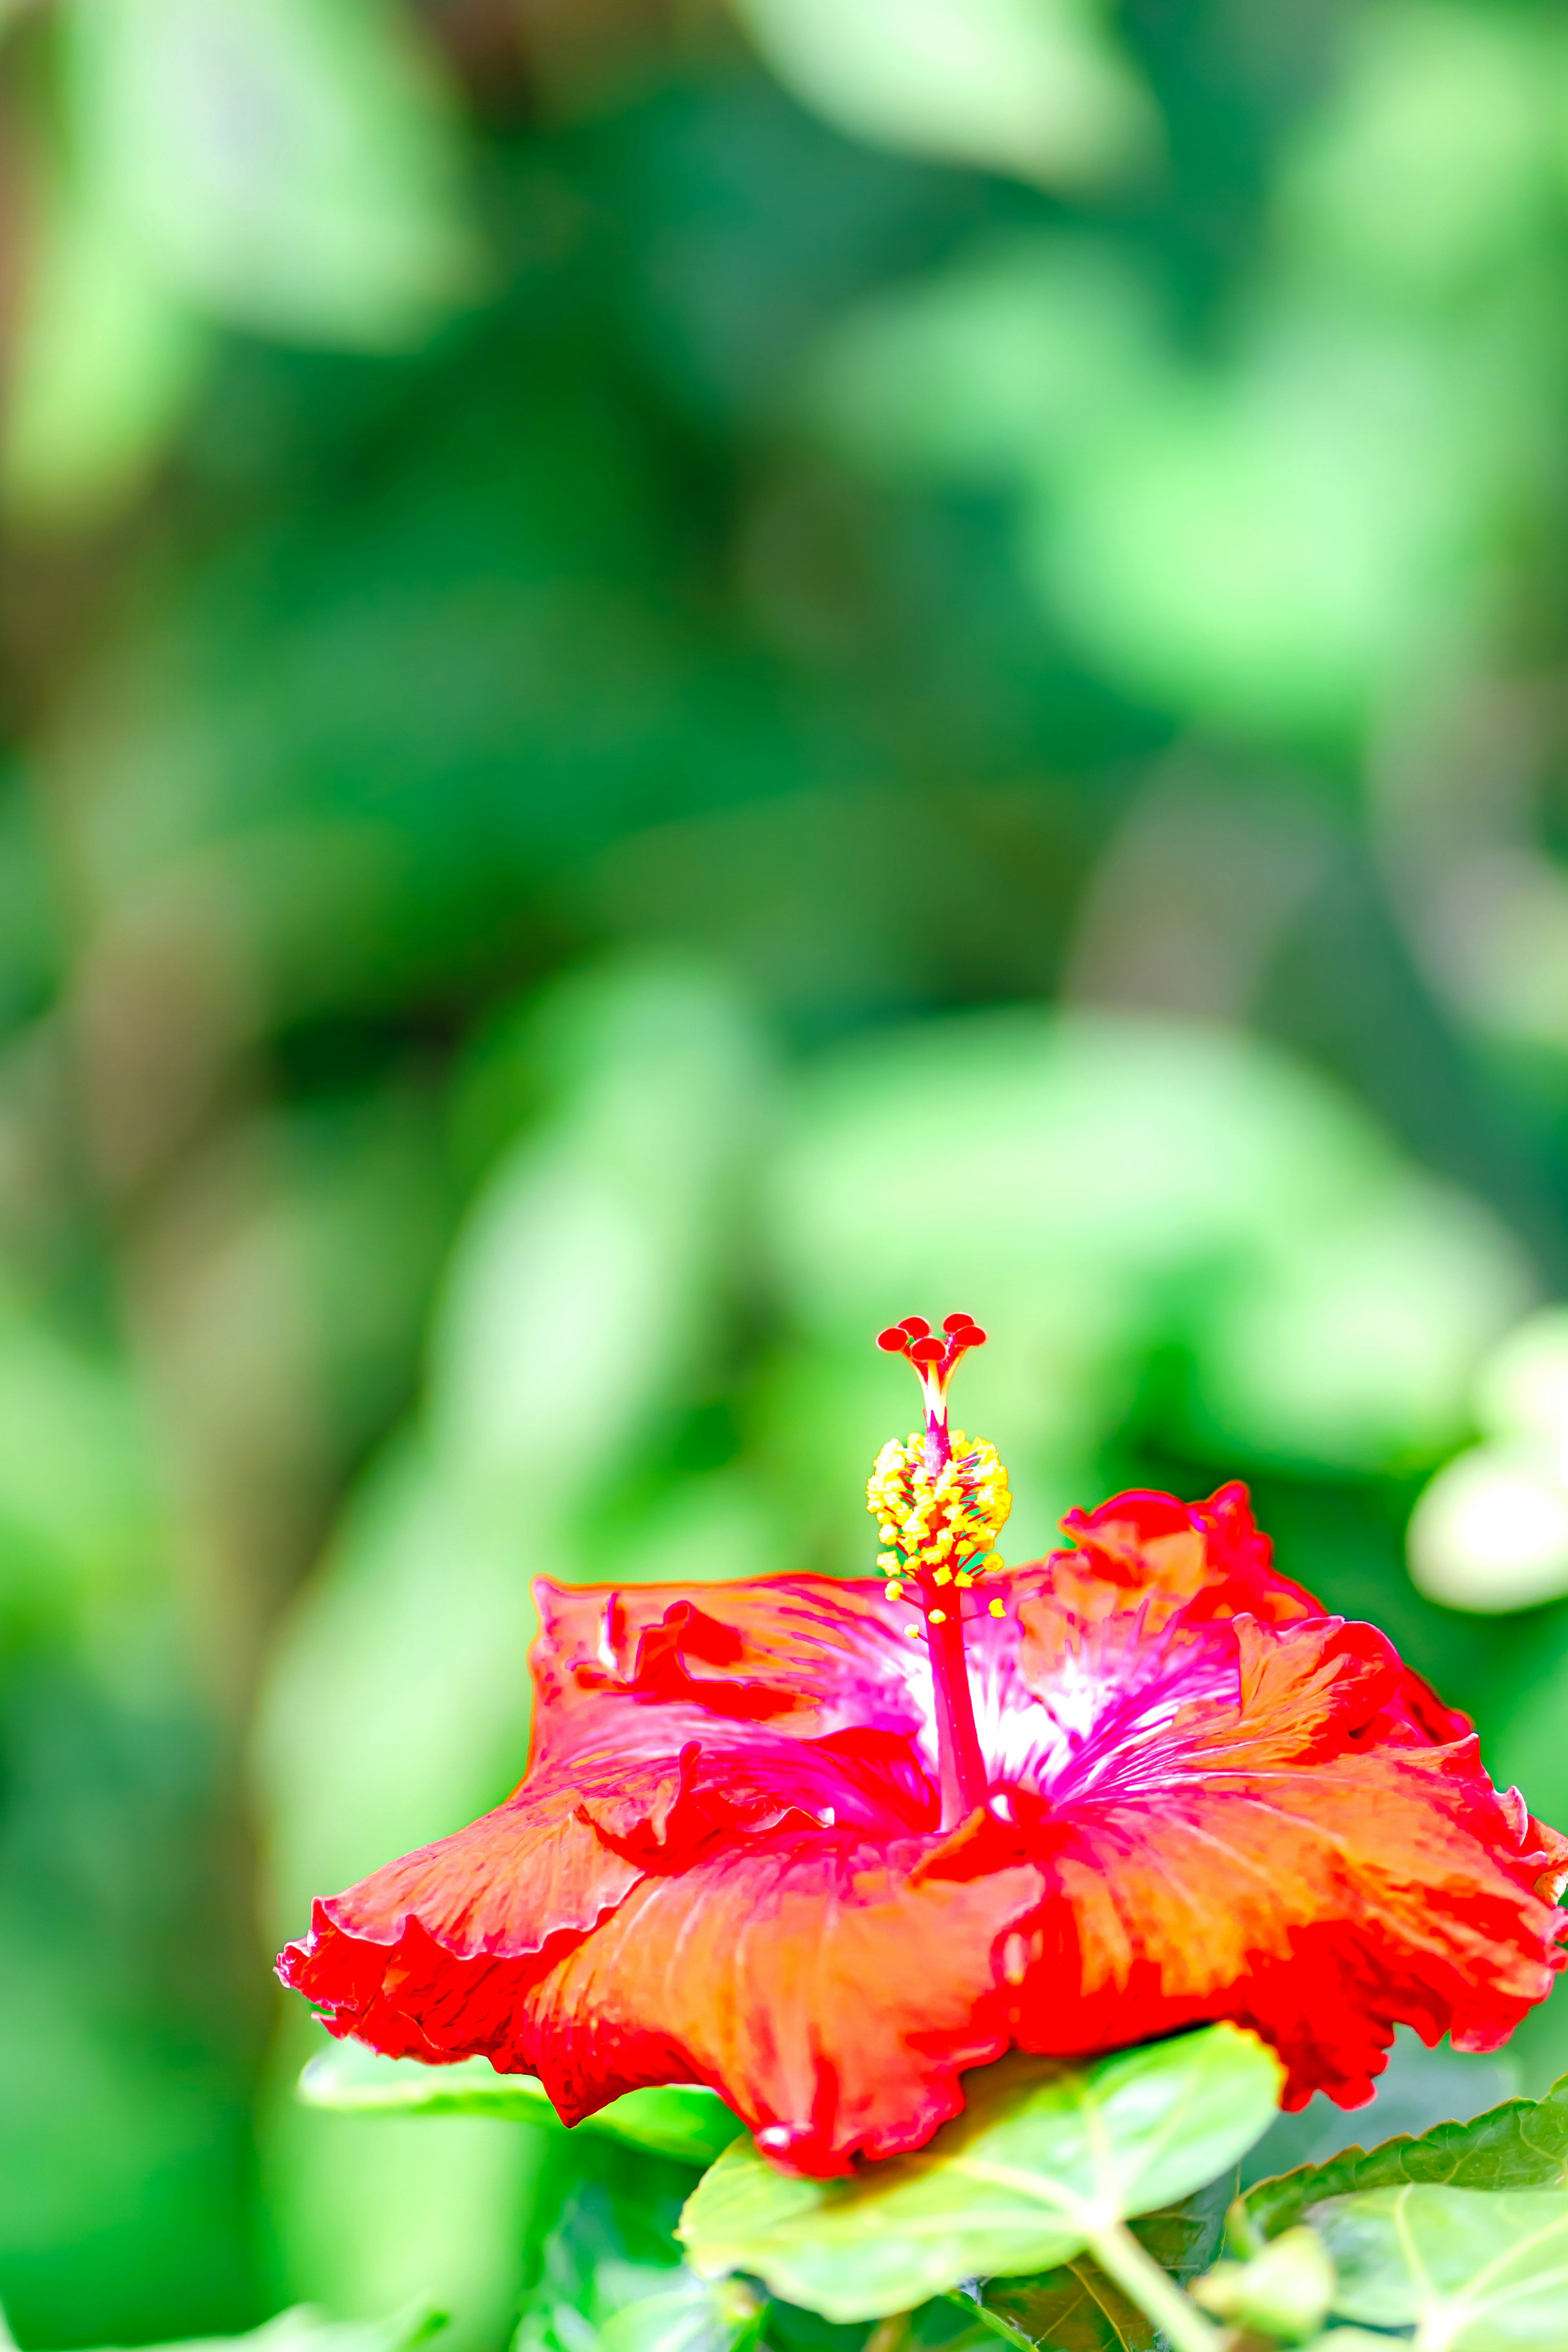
940 1501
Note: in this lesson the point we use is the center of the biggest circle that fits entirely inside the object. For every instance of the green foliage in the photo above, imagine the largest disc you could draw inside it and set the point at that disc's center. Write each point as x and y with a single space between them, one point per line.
303 2330
335 214
1524 2144
1283 2292
1471 2270
1035 86
689 2124
609 2279
1044 2159
1078 2308
669 686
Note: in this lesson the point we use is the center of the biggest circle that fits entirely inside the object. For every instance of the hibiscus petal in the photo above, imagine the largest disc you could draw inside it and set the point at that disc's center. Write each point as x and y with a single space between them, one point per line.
1208 1559
1211 1557
440 1955
806 1655
1282 1853
832 1996
724 1864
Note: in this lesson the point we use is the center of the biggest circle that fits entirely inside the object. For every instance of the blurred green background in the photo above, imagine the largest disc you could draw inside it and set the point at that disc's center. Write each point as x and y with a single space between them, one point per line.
677 678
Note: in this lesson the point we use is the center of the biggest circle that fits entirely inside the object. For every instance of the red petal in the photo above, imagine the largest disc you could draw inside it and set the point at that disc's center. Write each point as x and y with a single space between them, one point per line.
806 1653
1284 1854
723 1865
831 1999
1146 1543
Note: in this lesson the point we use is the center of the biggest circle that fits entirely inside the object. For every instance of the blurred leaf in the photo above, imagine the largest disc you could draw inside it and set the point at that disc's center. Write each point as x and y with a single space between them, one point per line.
290 165
1271 544
694 2316
1357 1340
32 941
105 361
1474 2271
609 2268
1521 1389
1490 1532
80 1532
1435 158
686 2123
1271 537
1042 2157
580 1305
303 2330
1524 2144
1035 86
1215 1195
583 1287
1024 345
1283 2291
1354 2339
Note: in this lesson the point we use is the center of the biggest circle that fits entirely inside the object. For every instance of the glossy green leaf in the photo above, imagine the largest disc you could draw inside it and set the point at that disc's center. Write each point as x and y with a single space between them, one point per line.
1043 2156
681 2121
1077 2308
1471 2270
1524 2144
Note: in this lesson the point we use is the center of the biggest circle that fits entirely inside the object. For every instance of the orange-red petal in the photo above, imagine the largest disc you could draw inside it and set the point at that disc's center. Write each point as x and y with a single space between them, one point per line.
724 1863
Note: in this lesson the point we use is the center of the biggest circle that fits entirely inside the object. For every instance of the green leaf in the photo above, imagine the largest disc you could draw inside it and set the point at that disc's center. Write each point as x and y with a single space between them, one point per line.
1472 2270
691 2314
304 2330
339 217
1284 2292
1036 87
610 2280
105 362
1524 2144
1077 2308
1044 2157
677 2120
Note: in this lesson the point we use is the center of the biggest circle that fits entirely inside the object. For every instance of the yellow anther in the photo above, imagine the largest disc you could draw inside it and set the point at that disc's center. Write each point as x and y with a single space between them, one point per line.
936 1617
914 1631
938 1529
999 1608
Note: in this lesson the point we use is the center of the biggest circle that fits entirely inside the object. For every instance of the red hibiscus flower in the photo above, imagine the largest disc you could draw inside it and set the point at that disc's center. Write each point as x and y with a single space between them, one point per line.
770 1842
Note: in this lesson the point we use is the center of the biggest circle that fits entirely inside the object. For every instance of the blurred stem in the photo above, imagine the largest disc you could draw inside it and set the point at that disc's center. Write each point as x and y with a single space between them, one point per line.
1153 2290
889 2335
